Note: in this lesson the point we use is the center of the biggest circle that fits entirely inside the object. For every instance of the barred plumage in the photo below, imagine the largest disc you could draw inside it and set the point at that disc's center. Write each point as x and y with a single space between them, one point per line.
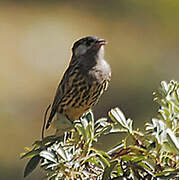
84 81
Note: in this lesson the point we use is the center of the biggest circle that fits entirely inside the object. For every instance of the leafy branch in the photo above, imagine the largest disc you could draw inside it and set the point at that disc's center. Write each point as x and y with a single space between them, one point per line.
152 154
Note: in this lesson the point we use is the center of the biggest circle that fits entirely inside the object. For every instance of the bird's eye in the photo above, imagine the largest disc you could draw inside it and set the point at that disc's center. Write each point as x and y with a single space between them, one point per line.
88 43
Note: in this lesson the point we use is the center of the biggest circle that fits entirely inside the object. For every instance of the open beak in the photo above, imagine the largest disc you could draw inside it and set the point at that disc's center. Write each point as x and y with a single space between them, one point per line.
101 42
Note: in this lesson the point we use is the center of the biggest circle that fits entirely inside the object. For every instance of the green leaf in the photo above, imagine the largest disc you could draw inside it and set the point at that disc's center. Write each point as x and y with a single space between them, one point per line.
81 130
164 86
99 121
172 143
53 177
48 155
62 153
168 175
37 144
127 158
101 154
89 117
31 165
108 170
117 116
89 132
103 130
138 158
30 153
146 165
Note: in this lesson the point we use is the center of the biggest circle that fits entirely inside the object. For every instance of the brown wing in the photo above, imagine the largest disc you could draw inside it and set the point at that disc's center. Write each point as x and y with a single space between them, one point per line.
62 90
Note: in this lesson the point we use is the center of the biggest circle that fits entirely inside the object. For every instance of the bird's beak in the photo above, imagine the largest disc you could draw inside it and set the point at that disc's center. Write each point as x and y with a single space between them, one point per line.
101 42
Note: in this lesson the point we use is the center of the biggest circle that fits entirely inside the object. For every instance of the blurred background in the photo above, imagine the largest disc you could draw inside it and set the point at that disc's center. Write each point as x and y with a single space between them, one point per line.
36 39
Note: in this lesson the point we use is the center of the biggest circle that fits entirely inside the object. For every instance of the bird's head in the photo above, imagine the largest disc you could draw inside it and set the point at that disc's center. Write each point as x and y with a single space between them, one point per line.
88 44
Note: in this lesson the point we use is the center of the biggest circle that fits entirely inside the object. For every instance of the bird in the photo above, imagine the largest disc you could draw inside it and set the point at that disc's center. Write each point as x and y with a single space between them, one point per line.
84 81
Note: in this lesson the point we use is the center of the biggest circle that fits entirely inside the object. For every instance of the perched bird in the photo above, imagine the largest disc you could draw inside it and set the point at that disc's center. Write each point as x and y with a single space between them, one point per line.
83 82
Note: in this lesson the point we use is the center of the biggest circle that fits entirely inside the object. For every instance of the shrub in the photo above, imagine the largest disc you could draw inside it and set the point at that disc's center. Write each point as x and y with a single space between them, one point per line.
152 154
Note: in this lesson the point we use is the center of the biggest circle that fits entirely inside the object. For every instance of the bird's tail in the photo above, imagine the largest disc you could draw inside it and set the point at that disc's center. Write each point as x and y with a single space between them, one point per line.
44 120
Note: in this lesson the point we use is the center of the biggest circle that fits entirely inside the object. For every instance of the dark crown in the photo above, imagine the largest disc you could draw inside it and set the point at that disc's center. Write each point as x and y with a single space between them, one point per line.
85 40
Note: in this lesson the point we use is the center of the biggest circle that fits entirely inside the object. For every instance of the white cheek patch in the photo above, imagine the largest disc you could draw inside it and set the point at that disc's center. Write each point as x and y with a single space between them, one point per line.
102 49
81 50
101 52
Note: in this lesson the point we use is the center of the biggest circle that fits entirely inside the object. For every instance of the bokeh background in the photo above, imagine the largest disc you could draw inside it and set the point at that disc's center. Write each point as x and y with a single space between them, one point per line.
35 47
